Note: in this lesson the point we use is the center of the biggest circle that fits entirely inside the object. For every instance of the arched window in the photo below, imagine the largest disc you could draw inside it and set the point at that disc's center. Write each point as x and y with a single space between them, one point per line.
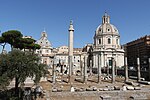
109 41
117 41
99 41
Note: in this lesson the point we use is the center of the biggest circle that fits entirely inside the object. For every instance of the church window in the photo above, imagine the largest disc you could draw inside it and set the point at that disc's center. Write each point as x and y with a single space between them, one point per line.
47 51
117 41
109 41
40 51
106 20
99 41
45 62
108 29
110 62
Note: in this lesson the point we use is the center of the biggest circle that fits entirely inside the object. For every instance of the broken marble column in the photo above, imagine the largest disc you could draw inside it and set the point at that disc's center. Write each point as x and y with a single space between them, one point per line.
99 68
138 69
113 70
90 67
85 69
126 70
54 74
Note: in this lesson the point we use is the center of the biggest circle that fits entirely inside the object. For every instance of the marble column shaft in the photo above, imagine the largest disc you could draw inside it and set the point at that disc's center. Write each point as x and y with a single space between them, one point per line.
113 70
85 69
126 70
54 74
138 69
99 68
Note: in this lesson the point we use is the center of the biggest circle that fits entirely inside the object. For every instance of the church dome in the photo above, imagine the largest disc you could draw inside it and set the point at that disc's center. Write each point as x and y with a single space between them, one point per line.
106 35
106 27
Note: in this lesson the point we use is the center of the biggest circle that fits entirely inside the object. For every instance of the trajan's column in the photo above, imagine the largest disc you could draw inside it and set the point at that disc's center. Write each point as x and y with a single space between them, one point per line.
70 55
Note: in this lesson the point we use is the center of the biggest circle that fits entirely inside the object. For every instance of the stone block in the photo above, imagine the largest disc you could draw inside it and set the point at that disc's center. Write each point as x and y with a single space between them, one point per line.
130 88
105 89
124 88
94 88
54 90
116 88
89 89
139 97
137 88
105 97
100 89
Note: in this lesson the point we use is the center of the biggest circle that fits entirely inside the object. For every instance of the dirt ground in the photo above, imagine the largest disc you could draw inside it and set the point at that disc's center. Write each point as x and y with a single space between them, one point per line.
65 94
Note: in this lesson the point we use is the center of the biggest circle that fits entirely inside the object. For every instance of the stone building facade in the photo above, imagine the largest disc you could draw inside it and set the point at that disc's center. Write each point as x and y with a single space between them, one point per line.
61 58
139 48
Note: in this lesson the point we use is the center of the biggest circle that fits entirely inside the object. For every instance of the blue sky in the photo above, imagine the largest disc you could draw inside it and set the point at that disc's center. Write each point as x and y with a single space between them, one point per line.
131 17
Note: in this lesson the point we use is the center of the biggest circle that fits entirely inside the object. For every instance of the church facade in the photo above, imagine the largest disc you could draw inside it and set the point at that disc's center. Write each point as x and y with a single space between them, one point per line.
45 52
107 45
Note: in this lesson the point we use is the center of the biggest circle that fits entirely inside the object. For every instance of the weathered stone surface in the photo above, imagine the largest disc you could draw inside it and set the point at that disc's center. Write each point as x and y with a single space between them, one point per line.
129 83
94 88
54 90
79 89
105 89
145 82
110 88
105 97
72 89
100 89
130 88
124 88
89 89
116 88
137 88
59 90
138 97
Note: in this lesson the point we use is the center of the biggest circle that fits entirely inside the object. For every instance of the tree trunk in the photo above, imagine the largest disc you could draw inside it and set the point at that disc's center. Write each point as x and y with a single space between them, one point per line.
16 86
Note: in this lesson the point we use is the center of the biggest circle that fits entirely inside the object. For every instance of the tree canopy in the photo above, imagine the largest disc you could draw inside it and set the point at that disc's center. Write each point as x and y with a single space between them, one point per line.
12 36
19 65
16 40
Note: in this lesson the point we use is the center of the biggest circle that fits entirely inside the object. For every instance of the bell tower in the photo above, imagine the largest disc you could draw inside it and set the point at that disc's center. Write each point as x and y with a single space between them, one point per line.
105 18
